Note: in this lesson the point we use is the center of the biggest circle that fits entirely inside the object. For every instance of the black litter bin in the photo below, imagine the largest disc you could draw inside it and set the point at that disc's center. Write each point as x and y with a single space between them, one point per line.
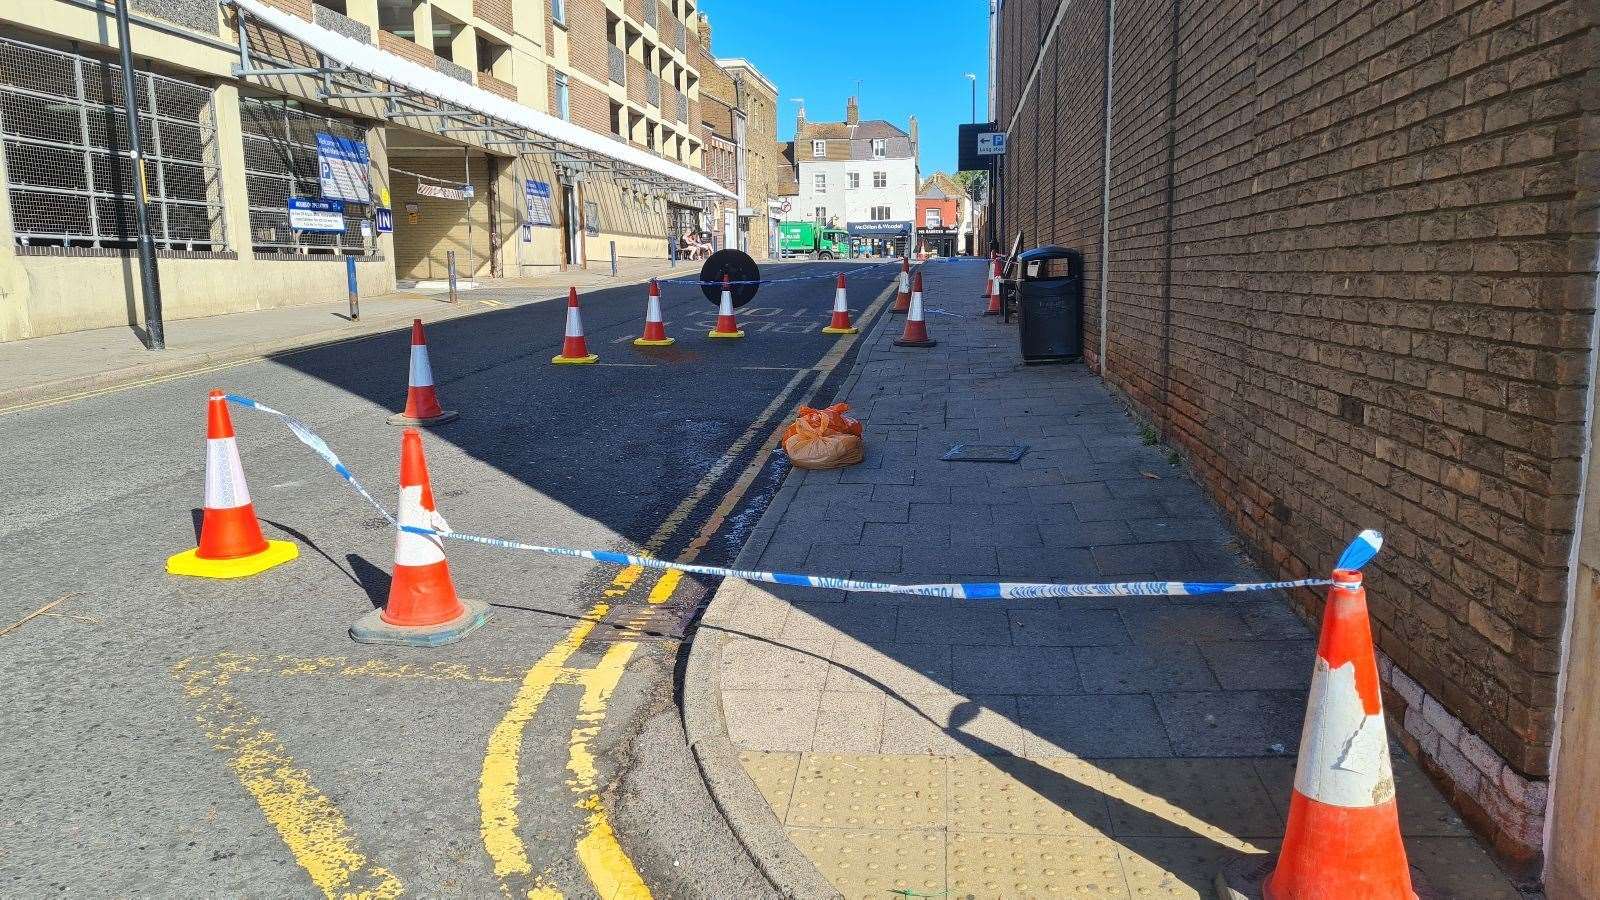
1050 304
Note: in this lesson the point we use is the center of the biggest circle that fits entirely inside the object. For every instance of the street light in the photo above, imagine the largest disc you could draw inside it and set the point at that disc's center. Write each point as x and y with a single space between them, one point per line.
974 79
150 281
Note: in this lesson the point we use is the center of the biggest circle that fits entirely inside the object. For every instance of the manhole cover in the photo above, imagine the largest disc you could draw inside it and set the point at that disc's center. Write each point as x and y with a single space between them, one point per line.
999 453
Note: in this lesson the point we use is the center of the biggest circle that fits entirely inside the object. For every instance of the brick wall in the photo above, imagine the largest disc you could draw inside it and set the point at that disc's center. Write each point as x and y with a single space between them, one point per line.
1367 303
586 39
495 12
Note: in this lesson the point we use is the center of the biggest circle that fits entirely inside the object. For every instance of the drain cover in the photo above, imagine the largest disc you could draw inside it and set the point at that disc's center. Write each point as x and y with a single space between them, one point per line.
999 453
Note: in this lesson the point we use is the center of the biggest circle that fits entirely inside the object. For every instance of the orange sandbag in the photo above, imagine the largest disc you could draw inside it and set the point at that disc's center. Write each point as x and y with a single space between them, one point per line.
833 418
813 442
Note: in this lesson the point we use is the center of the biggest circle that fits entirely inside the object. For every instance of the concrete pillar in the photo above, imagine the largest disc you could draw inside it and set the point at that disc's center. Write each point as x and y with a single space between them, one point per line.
365 12
14 293
230 160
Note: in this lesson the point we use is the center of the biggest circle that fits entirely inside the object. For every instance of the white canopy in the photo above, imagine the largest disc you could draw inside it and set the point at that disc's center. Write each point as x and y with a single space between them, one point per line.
508 115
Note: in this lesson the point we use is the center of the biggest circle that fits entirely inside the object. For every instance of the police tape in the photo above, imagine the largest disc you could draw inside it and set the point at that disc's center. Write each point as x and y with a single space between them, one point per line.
1360 551
696 282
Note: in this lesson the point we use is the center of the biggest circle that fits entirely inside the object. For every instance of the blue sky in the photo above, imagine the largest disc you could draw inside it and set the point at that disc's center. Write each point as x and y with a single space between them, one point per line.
909 57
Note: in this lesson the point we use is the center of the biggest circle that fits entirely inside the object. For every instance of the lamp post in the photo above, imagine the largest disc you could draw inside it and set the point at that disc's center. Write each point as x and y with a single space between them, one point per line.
150 281
974 79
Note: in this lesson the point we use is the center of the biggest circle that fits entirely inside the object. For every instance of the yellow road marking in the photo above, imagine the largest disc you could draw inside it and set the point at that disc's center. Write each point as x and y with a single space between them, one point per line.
662 591
309 823
603 859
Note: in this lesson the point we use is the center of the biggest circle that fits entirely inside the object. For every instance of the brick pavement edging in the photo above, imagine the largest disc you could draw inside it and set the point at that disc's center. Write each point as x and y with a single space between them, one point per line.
749 815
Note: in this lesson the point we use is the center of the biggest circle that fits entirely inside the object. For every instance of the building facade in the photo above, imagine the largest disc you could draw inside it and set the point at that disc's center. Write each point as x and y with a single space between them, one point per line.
944 217
764 166
1343 256
858 175
284 136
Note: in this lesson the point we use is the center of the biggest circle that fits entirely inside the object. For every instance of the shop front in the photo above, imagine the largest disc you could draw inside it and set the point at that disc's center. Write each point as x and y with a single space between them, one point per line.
880 238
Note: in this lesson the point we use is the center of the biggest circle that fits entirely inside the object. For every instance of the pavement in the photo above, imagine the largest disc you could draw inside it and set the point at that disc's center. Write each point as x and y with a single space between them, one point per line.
184 737
46 369
868 745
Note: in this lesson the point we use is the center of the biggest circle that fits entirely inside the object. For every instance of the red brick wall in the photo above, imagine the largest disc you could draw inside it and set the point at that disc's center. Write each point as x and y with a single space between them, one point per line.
1382 241
586 38
495 12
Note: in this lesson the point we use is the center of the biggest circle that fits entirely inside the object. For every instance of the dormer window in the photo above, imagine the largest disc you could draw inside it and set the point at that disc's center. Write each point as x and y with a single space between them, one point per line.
819 149
880 148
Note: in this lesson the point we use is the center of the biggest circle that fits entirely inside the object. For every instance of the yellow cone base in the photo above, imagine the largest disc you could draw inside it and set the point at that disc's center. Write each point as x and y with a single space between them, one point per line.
725 334
576 360
664 342
372 629
832 330
448 415
189 562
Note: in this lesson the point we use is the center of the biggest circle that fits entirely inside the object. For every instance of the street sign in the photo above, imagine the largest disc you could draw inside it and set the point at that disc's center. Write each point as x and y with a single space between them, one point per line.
991 143
539 210
385 218
342 166
316 216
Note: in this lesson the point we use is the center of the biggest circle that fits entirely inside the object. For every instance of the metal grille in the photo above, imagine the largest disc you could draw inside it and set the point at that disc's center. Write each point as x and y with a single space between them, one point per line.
71 177
280 161
683 108
617 65
651 12
653 88
680 36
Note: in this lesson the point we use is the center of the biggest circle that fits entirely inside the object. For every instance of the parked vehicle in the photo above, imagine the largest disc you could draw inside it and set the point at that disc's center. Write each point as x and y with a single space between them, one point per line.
813 239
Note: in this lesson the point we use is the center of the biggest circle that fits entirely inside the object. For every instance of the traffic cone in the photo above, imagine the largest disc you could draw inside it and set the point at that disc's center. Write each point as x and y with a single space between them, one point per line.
916 330
655 330
727 326
1343 837
231 543
988 281
994 290
422 401
902 300
574 349
423 609
841 312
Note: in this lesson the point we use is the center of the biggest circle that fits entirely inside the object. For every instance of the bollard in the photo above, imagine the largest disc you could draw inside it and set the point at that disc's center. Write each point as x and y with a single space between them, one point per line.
350 284
450 263
613 259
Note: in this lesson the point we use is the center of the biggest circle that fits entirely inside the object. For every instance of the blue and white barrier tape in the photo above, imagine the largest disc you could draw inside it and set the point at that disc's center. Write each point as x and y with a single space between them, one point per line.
1357 554
695 282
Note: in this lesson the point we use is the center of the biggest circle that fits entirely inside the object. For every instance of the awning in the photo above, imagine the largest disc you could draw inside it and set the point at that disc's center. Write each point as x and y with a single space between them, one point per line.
416 91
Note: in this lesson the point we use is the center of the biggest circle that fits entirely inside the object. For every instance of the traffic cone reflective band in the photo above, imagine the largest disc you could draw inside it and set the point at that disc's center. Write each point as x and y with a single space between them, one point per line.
841 312
727 325
231 543
655 330
574 349
422 401
994 290
902 299
916 330
1343 836
988 280
423 609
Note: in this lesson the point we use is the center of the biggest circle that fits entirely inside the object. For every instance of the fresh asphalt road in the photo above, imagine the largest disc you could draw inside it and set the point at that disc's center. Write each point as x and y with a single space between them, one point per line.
185 737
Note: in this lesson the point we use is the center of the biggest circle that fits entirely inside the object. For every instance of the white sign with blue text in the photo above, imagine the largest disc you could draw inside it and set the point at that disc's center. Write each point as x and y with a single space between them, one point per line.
342 168
316 216
991 143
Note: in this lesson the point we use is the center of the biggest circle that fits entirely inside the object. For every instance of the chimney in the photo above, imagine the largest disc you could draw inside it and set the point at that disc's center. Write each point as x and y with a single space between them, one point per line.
913 133
800 119
852 112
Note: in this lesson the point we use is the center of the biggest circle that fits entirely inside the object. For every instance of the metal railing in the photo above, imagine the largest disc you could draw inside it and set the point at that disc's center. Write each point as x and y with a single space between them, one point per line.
280 161
71 173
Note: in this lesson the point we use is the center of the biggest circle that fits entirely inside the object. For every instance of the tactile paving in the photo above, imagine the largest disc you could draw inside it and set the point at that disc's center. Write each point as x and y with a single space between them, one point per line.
871 864
1019 865
1179 867
773 774
1025 796
848 790
1220 799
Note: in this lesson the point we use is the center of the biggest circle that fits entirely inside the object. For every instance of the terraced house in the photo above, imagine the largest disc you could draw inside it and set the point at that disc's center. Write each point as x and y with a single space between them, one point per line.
283 137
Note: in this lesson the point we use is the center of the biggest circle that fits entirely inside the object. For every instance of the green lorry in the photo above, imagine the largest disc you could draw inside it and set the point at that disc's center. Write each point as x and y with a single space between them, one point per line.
813 239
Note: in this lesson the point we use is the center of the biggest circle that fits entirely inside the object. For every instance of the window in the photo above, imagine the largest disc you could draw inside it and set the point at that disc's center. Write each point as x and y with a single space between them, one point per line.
855 180
558 11
932 218
880 180
880 214
819 149
563 98
822 214
879 148
72 180
490 57
821 181
396 17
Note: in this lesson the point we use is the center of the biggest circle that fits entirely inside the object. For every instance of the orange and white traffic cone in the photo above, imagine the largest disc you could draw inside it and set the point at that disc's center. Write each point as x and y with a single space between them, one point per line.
841 312
1343 837
655 330
231 542
902 300
727 325
422 401
574 349
916 330
423 609
994 290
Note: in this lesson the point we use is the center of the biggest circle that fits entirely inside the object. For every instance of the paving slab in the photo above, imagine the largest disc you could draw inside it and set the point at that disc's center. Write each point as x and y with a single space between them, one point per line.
1096 747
